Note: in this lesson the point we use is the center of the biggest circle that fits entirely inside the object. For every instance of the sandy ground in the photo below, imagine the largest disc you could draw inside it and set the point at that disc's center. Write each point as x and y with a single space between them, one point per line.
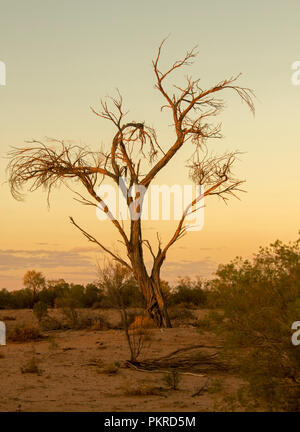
70 378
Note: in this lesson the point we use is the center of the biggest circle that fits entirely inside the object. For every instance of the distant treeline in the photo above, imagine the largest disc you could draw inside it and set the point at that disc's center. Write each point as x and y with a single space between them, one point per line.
93 295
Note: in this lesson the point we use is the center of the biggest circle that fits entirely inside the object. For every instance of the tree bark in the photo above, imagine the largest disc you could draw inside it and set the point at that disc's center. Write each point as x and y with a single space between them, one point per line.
156 305
149 285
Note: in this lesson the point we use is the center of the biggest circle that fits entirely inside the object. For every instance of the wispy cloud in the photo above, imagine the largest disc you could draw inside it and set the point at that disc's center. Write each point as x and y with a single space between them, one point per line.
174 269
13 259
46 244
79 265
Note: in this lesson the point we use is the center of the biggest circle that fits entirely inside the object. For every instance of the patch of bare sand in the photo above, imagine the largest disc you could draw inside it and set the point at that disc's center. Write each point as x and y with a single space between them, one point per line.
71 376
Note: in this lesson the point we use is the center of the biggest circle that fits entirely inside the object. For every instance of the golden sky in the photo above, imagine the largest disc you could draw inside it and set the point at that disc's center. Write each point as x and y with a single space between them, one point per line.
62 56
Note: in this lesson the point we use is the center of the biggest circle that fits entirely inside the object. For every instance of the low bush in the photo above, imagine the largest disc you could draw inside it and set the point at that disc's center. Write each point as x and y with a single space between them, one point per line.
189 293
49 323
261 300
40 310
180 313
24 333
210 322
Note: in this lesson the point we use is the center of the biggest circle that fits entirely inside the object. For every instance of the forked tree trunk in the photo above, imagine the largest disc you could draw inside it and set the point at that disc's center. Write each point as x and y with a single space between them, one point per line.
153 295
156 304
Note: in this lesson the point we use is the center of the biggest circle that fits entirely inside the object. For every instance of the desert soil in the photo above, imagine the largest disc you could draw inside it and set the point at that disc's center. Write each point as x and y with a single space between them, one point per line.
70 379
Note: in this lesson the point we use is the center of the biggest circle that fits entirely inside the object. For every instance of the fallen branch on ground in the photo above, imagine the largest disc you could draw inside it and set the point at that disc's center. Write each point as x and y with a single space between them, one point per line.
192 360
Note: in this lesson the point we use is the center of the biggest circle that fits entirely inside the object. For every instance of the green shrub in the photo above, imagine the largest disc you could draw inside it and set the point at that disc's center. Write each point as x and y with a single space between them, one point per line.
189 293
210 322
261 300
177 313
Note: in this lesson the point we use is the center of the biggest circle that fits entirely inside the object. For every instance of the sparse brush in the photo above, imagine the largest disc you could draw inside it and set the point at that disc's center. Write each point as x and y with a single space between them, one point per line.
141 390
115 280
68 307
216 386
99 323
72 316
24 333
260 299
179 313
31 367
189 293
49 323
137 333
53 345
105 368
79 321
40 310
172 379
89 322
209 322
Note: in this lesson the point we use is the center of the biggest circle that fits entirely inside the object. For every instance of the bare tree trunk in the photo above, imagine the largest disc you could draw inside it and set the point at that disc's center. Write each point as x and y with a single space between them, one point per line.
149 285
153 295
156 305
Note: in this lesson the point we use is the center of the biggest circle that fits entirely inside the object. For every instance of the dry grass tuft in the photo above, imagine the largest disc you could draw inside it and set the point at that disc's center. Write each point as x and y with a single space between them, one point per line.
109 369
31 367
105 368
141 390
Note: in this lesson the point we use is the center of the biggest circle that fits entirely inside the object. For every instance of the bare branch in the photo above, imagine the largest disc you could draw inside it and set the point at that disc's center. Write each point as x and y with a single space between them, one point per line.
215 174
147 243
93 240
192 100
45 166
130 137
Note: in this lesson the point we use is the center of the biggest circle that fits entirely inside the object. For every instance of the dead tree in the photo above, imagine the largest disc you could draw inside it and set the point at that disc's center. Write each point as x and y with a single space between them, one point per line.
135 154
